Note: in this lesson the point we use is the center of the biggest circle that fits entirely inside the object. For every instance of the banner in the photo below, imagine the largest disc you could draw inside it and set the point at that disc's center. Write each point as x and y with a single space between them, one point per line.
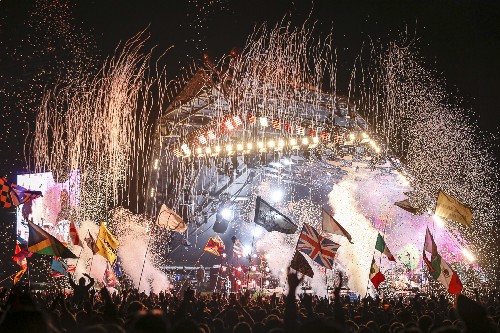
450 208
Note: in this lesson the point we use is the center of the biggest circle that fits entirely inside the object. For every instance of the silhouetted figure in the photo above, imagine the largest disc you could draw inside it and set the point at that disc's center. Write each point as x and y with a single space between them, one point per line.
81 290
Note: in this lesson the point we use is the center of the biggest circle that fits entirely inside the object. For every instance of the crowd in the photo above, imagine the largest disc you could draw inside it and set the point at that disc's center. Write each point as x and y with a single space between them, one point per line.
86 310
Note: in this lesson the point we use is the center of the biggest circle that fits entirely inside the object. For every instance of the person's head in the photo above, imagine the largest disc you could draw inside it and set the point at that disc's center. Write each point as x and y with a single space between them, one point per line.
81 281
242 327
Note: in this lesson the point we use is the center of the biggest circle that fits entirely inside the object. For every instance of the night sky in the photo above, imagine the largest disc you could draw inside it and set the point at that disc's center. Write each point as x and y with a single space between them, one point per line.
41 41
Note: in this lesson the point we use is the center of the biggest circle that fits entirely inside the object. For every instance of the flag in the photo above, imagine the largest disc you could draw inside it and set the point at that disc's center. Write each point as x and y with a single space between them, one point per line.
105 251
117 267
15 195
73 233
318 248
238 248
439 268
429 244
108 237
91 243
332 226
109 279
405 204
450 208
20 256
382 247
215 246
41 242
271 219
375 276
169 219
71 268
442 272
59 268
300 264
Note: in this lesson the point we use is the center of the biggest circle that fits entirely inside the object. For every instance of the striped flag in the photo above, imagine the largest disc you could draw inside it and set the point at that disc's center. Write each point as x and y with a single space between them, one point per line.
275 123
73 233
382 247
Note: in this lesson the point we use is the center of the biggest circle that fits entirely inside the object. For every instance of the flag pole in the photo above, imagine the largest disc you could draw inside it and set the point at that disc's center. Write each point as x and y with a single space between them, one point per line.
8 277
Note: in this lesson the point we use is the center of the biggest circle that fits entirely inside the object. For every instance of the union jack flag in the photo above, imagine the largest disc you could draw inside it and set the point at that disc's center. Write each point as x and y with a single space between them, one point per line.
318 248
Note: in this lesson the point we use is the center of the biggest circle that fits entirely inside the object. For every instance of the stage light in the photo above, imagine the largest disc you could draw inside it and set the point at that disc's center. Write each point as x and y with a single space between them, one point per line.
237 121
246 250
267 269
315 139
202 139
239 147
199 151
263 122
224 268
238 282
293 142
281 143
185 149
256 231
468 255
211 135
305 141
224 255
267 283
249 146
208 150
229 124
217 149
439 221
226 213
239 269
229 148
271 143
364 135
260 145
352 136
277 195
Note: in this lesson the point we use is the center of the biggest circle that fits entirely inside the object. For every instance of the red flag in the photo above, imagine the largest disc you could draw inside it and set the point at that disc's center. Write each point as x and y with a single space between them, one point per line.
73 233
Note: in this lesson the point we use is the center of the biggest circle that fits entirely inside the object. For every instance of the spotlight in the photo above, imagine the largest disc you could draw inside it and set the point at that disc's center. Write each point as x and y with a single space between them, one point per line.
238 282
185 149
224 268
293 142
267 283
249 146
271 143
260 145
438 220
263 122
468 255
217 149
267 269
226 213
277 195
224 255
199 151
223 216
229 148
256 232
208 150
352 136
281 143
239 147
239 269
305 141
315 139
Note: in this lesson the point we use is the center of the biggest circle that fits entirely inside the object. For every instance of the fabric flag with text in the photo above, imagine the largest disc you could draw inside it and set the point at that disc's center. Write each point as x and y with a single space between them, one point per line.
73 233
271 219
439 268
332 226
215 246
15 195
376 277
318 248
169 219
91 243
381 246
300 264
105 250
450 208
108 237
41 242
